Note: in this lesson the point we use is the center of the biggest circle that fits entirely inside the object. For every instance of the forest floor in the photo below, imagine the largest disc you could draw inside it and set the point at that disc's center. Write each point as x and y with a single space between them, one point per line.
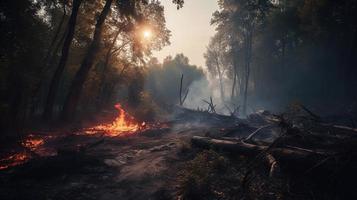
198 155
142 166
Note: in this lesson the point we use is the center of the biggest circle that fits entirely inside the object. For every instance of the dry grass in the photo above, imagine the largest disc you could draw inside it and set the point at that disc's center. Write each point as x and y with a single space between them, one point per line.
212 175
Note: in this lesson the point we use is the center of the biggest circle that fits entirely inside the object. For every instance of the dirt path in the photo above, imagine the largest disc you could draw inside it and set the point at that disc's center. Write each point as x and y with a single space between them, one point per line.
146 165
143 166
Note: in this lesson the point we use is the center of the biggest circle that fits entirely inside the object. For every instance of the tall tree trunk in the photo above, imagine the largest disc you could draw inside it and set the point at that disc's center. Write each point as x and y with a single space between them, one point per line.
283 49
40 90
221 86
233 94
51 59
15 94
104 71
48 60
81 76
220 78
248 54
283 41
63 60
235 77
55 37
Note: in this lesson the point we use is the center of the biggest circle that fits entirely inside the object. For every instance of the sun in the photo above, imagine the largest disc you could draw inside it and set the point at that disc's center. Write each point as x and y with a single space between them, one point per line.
147 34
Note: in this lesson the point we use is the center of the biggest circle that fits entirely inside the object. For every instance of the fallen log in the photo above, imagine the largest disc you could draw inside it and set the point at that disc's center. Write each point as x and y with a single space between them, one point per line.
334 131
185 115
297 158
273 165
227 145
342 129
250 136
315 116
252 149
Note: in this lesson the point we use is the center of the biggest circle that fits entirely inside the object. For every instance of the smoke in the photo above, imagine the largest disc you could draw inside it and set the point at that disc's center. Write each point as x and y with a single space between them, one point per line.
204 89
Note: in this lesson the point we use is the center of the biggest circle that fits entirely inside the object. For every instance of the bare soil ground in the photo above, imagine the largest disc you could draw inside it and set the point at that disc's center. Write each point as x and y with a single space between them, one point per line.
265 156
142 166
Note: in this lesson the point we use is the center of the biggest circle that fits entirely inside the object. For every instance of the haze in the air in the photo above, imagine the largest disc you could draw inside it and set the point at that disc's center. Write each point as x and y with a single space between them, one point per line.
190 29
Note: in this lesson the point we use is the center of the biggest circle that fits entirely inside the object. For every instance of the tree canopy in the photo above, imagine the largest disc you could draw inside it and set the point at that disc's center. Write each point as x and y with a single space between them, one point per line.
282 51
55 54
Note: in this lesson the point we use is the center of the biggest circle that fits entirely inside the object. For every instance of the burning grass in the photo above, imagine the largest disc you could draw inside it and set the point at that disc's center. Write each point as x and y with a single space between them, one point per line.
124 124
32 144
14 160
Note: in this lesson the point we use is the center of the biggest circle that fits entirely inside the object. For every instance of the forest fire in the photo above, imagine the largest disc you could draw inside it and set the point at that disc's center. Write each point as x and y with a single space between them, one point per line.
122 125
32 144
13 160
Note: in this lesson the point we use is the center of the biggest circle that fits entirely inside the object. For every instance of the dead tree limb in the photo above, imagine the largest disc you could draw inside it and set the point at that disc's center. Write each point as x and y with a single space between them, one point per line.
182 100
233 146
273 165
211 107
233 112
255 132
345 128
294 157
309 112
229 109
334 130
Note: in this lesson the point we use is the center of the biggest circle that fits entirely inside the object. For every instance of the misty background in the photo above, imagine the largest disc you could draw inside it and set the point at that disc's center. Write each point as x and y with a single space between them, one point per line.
243 54
275 54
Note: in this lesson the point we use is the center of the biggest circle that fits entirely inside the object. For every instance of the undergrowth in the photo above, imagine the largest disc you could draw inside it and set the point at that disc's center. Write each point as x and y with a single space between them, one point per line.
212 175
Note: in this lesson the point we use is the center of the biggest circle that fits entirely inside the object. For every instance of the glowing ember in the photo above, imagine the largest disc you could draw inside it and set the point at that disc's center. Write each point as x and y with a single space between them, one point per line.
32 143
122 125
13 160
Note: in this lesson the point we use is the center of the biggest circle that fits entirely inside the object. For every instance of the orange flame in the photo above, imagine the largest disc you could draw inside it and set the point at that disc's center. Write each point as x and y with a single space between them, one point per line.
122 125
32 143
13 160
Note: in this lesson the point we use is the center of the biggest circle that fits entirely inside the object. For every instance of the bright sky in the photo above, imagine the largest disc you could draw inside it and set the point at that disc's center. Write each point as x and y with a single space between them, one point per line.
190 29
